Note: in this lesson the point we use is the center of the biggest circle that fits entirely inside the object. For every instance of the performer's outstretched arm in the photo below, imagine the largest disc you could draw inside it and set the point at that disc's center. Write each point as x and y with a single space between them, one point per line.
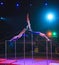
43 35
20 34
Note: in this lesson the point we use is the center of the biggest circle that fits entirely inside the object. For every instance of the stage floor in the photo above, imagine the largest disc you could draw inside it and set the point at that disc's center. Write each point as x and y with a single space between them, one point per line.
28 61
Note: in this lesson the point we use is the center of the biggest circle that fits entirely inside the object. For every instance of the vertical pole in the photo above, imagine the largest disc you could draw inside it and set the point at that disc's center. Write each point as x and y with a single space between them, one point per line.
32 45
24 48
6 49
51 48
47 51
15 49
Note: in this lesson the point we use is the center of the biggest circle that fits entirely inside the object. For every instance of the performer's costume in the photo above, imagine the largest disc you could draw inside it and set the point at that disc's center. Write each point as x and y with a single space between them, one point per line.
33 32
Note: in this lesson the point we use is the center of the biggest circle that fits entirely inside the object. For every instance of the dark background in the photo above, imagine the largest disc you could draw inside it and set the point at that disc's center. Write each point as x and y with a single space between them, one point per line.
15 17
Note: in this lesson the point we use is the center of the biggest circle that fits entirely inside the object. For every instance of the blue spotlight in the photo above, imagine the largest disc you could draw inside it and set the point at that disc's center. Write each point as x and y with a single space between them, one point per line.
17 4
1 3
1 18
46 4
50 16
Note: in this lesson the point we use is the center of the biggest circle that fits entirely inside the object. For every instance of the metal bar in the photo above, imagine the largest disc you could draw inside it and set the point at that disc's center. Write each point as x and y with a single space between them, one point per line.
47 51
15 49
51 48
24 48
6 49
32 45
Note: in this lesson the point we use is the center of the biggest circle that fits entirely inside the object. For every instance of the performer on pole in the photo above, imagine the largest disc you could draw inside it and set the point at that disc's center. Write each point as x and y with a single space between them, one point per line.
30 30
39 33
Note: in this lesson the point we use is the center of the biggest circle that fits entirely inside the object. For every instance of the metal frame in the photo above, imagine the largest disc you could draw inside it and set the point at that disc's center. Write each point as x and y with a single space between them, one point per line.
32 49
47 50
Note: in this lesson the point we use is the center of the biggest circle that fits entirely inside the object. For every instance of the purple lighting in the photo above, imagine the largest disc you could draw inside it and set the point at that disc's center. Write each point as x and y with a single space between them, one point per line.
1 3
17 4
28 61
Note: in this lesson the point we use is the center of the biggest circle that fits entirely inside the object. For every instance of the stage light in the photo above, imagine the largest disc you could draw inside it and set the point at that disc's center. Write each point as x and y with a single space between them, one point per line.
50 16
17 4
1 3
49 34
54 34
46 4
2 18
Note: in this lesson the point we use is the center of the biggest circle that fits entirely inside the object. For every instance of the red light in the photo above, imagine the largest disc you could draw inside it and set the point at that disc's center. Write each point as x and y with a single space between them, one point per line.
49 34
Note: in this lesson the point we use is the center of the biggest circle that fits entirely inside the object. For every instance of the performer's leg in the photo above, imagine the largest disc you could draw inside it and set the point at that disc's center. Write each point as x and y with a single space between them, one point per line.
14 38
19 35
